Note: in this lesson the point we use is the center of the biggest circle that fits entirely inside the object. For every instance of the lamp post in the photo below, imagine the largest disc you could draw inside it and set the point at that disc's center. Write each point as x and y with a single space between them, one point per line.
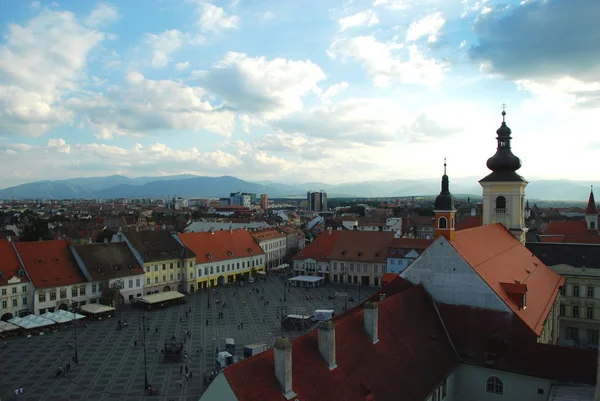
346 290
76 360
146 384
208 297
284 290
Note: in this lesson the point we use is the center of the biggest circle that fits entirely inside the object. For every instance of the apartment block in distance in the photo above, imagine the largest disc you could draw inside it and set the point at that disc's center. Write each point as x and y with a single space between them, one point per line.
316 201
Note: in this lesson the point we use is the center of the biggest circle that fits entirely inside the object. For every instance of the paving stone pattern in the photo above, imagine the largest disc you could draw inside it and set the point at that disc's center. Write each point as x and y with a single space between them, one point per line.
112 368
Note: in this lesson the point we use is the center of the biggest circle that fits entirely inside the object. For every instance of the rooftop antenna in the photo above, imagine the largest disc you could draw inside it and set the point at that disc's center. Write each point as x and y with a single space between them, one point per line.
503 112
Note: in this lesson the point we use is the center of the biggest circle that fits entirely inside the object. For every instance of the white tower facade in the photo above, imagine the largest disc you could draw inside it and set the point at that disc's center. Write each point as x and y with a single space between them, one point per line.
503 188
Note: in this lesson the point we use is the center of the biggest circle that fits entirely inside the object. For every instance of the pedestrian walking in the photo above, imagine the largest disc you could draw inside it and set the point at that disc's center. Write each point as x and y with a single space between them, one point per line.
68 367
181 369
187 370
21 390
135 343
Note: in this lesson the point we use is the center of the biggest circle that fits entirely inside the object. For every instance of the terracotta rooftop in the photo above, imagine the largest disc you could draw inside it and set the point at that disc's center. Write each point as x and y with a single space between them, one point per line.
49 263
498 257
368 246
470 222
157 246
267 234
108 261
412 358
221 245
566 227
9 263
320 248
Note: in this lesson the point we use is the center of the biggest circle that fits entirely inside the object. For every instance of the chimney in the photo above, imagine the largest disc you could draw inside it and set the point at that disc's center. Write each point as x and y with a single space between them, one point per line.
327 342
283 365
372 321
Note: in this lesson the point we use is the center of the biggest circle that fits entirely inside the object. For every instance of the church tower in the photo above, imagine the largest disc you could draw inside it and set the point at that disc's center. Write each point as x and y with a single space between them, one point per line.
591 212
503 188
445 212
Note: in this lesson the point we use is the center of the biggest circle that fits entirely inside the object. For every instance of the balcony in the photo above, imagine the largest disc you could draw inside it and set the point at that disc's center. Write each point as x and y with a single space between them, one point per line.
500 211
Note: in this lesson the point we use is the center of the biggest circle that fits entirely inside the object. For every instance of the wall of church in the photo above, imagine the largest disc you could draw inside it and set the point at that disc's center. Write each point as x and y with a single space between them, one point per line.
450 279
471 385
513 214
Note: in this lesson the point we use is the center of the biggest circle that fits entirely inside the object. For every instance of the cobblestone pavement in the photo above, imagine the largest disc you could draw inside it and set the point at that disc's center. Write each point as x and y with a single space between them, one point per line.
112 368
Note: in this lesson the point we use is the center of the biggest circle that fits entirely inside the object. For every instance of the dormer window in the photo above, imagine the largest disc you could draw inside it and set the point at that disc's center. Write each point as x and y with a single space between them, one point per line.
209 256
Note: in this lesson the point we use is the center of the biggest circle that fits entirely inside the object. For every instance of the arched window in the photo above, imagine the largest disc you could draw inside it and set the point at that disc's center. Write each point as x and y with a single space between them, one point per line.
443 222
494 385
501 205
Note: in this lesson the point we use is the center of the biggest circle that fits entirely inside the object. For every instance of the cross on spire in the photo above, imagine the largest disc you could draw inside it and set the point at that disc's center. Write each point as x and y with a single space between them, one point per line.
444 165
503 111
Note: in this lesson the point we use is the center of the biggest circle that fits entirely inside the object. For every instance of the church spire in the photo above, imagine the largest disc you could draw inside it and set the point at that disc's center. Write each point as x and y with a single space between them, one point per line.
504 163
445 200
445 213
591 206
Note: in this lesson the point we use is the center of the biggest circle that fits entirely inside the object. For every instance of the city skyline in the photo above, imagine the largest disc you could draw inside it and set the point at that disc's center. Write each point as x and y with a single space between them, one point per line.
346 91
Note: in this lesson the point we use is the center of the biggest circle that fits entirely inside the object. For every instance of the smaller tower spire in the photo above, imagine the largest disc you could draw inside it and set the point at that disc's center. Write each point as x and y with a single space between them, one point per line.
591 206
444 210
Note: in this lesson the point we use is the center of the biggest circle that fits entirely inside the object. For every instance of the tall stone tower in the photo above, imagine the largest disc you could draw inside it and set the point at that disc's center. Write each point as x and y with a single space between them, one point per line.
503 188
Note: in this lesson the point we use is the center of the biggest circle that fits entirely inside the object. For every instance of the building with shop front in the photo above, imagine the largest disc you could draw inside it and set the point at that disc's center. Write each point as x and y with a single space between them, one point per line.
114 269
273 243
168 265
359 257
56 277
15 287
579 310
223 257
313 260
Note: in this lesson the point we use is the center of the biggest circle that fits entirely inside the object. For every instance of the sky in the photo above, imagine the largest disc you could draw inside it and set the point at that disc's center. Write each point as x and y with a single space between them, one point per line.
297 91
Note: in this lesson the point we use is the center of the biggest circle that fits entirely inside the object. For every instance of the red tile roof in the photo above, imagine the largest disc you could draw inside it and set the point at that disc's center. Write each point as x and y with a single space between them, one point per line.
470 222
367 246
221 245
566 227
591 206
320 248
9 263
495 340
498 257
50 263
267 234
412 358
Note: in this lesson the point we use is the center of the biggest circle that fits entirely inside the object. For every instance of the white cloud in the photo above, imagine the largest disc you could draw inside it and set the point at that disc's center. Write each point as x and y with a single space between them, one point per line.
389 62
59 145
41 62
428 26
214 19
392 4
258 85
164 45
334 90
362 18
143 106
182 66
103 14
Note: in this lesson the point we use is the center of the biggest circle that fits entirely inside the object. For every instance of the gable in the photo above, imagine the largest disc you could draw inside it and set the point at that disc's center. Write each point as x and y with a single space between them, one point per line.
450 279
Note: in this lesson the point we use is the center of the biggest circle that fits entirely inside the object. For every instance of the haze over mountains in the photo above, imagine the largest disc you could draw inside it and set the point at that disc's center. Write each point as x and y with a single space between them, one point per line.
190 186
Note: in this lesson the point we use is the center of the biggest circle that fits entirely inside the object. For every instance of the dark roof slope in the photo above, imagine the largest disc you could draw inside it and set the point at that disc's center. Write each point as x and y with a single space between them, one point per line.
577 255
412 358
156 246
495 340
368 246
107 261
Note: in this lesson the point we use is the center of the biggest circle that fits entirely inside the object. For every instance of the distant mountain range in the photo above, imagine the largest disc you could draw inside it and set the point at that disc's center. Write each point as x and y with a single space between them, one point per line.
191 186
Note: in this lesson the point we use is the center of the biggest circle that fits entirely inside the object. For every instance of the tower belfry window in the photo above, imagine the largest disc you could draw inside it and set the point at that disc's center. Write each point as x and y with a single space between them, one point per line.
442 222
500 205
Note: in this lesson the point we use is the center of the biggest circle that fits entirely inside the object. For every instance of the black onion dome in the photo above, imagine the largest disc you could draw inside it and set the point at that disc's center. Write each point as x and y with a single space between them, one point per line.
504 163
445 200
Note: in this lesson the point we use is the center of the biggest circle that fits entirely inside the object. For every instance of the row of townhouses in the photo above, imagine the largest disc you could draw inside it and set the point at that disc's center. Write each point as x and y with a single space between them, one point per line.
36 277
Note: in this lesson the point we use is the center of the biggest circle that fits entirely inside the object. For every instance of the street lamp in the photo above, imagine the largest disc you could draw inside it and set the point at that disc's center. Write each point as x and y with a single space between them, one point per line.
284 290
346 290
146 384
208 298
76 360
